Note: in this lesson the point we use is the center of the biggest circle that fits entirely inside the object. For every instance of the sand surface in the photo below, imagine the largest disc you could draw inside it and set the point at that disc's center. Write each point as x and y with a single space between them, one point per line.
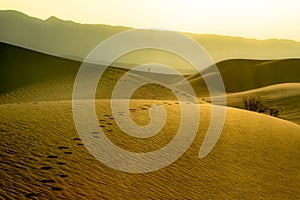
42 156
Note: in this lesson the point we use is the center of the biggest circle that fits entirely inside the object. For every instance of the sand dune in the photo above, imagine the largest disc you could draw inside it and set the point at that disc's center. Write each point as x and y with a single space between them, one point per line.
22 67
42 156
29 76
242 74
283 96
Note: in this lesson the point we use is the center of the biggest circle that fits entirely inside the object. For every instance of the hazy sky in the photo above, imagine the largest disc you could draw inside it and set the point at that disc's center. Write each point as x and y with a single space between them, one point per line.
260 19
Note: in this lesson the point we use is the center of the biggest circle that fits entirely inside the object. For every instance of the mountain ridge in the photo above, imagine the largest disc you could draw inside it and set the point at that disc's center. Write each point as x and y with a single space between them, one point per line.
74 40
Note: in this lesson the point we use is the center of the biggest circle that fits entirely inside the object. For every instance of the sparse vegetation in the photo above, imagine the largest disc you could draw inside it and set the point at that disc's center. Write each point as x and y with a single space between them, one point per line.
274 112
256 104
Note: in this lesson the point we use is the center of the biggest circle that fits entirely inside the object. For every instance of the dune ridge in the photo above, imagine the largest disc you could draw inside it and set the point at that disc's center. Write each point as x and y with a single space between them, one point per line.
29 76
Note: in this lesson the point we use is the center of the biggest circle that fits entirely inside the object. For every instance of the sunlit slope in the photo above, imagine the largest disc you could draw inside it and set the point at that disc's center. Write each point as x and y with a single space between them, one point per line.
257 156
242 74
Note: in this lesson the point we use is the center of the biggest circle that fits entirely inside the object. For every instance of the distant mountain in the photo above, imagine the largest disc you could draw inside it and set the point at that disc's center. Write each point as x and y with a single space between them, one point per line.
52 36
73 40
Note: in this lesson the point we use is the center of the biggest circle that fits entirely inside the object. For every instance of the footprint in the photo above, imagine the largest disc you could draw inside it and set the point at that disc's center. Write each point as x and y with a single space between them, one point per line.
56 188
46 168
62 147
102 126
111 118
109 130
79 144
144 108
60 163
76 139
68 152
31 194
63 175
106 115
52 156
109 123
47 181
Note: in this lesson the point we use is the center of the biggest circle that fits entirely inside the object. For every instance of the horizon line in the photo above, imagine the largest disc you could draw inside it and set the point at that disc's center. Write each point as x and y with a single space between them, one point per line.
151 28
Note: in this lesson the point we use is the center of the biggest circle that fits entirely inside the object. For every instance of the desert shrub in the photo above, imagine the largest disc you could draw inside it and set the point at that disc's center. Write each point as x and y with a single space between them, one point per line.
256 104
274 112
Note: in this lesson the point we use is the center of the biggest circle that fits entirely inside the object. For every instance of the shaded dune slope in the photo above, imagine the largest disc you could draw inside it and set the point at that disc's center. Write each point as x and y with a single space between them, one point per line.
241 74
27 76
21 68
